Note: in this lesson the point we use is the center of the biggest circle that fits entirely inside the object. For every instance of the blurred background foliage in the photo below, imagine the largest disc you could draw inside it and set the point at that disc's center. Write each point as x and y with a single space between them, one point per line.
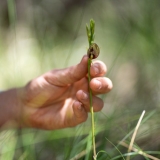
40 35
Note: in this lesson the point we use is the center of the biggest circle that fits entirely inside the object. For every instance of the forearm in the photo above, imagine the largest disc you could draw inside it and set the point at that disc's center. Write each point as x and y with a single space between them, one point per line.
9 110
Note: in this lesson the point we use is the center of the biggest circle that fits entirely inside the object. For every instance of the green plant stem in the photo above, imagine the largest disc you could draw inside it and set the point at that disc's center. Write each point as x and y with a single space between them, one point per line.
91 110
11 13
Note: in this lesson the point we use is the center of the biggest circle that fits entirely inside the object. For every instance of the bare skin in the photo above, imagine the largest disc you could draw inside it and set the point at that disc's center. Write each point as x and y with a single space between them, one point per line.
57 99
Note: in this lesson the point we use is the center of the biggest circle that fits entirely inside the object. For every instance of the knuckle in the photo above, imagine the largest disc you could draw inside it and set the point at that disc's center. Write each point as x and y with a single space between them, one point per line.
74 76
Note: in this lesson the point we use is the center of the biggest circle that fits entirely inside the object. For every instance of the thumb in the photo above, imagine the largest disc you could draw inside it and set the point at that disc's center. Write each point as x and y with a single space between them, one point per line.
63 77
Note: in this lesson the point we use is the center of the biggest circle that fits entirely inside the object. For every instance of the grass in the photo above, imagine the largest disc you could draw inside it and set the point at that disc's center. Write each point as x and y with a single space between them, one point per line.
128 35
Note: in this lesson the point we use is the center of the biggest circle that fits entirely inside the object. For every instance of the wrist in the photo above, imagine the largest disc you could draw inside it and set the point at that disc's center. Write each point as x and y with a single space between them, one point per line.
10 108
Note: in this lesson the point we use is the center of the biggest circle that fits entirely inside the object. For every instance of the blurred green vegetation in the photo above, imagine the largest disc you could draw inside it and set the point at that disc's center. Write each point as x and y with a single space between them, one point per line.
37 36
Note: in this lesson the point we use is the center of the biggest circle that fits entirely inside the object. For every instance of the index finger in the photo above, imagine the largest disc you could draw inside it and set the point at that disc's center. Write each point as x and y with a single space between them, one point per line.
63 77
98 69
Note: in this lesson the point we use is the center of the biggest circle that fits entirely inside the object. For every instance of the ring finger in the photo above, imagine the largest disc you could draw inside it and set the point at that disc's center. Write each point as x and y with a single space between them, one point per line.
83 97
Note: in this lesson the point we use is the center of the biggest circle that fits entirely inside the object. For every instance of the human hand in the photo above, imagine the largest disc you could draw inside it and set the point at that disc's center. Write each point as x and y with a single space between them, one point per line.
60 99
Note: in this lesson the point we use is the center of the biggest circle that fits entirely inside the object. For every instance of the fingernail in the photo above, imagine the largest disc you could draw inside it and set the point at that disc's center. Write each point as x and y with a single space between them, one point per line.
96 69
98 84
84 96
80 107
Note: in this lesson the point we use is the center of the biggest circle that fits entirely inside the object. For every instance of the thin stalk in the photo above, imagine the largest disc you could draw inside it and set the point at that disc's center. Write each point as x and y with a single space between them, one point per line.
91 110
92 53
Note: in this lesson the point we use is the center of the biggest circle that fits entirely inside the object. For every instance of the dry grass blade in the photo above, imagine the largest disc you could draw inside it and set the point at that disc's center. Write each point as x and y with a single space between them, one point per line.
134 135
139 151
